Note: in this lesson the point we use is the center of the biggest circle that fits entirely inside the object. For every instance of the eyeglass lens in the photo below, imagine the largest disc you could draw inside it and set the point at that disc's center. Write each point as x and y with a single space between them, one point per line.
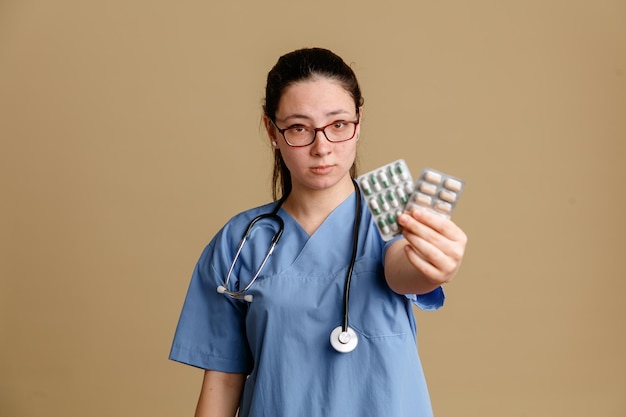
335 132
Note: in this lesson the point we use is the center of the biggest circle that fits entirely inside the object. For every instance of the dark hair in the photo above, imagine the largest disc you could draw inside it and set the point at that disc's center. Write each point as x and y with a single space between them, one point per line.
301 65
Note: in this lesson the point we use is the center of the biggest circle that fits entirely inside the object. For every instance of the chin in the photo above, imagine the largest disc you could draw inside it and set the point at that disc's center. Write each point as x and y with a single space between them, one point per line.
326 183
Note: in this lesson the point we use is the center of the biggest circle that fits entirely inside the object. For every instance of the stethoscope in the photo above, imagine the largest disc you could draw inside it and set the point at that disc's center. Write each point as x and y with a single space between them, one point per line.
343 338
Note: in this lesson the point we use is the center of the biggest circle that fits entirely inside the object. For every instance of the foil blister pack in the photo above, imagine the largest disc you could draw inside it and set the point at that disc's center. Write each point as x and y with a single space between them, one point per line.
436 191
390 190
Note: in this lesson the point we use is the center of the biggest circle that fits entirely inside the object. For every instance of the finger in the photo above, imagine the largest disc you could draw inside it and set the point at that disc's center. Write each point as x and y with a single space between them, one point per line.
443 254
443 225
413 228
437 230
433 254
424 265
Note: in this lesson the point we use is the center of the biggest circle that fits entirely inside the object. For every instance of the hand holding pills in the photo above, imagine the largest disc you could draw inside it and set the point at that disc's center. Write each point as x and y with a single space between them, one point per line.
435 244
389 191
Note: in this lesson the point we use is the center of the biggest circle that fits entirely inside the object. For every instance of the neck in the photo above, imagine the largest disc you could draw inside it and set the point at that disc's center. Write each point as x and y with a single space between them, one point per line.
311 207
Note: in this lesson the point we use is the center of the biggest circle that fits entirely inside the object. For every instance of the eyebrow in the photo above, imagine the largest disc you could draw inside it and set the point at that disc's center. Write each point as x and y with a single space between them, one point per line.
304 116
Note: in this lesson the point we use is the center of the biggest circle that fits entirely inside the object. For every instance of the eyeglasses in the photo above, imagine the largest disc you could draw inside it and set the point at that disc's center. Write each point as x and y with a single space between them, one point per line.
299 136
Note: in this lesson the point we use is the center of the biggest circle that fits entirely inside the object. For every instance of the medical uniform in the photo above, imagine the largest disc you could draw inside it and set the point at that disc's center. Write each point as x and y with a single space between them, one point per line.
281 338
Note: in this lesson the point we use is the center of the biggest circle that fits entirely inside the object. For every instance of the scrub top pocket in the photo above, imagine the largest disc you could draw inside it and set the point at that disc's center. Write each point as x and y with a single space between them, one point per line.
375 310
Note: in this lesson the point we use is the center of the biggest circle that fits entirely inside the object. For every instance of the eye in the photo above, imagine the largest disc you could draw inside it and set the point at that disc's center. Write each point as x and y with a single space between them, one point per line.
298 129
339 125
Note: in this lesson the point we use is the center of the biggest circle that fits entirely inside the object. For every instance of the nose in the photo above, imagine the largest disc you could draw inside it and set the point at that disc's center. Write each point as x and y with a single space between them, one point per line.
321 145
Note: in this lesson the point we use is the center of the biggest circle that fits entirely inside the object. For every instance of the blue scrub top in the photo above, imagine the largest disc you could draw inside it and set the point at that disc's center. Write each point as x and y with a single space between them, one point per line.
282 339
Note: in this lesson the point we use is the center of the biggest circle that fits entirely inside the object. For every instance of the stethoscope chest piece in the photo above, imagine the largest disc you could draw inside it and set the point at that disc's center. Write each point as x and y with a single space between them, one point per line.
343 342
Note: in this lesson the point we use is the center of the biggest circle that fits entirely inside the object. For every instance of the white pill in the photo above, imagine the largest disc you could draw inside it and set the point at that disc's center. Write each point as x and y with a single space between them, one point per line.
432 176
374 206
392 174
427 188
365 185
401 194
383 226
383 179
393 200
384 203
423 199
452 184
402 172
394 226
443 207
374 182
448 196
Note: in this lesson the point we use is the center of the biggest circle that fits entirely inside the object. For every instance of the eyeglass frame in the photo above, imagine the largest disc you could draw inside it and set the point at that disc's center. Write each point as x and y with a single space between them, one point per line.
315 130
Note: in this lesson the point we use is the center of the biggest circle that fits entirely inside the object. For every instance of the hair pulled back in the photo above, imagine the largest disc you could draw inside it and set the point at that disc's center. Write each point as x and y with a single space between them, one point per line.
303 65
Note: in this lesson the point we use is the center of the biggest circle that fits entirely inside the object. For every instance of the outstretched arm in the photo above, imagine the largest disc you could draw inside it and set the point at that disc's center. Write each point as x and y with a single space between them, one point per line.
428 255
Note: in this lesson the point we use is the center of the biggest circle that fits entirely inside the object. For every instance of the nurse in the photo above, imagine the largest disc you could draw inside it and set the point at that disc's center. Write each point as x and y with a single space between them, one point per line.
271 356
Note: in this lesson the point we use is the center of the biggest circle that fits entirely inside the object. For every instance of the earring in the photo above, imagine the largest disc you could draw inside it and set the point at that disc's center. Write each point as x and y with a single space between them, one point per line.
274 144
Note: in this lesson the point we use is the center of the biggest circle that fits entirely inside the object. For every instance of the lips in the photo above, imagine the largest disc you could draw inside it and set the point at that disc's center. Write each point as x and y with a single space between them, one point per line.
321 169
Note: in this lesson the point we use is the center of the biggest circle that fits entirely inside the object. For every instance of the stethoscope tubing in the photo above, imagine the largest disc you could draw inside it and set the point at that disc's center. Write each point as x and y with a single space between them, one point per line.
240 295
355 244
342 338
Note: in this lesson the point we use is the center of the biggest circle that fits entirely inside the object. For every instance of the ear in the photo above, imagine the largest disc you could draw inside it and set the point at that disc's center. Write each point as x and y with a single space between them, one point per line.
270 129
358 128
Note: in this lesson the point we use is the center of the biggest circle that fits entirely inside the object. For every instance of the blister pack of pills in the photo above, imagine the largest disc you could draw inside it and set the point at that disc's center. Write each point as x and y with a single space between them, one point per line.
390 190
387 190
436 191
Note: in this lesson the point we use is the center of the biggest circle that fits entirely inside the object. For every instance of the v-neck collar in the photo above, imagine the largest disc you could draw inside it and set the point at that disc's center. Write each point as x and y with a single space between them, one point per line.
326 249
333 216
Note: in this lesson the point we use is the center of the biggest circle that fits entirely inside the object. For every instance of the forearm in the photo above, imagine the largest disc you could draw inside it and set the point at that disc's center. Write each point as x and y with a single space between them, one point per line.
220 394
402 276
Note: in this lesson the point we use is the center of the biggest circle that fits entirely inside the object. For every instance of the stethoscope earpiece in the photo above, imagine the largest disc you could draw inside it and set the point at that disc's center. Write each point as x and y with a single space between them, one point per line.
343 342
241 294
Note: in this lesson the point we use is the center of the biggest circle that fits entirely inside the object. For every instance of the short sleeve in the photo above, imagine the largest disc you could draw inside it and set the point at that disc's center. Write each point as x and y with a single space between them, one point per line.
211 330
433 300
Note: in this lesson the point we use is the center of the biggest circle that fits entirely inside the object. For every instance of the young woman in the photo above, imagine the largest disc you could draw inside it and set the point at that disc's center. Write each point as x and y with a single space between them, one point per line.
264 342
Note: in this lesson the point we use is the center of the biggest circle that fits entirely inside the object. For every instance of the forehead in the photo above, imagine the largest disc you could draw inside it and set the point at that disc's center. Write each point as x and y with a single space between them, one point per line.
320 94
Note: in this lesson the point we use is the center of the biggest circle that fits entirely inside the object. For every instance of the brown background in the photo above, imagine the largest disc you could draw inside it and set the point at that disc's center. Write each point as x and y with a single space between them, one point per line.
130 132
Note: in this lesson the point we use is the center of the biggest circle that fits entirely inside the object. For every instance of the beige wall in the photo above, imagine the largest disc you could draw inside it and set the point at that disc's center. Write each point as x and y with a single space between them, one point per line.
130 133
